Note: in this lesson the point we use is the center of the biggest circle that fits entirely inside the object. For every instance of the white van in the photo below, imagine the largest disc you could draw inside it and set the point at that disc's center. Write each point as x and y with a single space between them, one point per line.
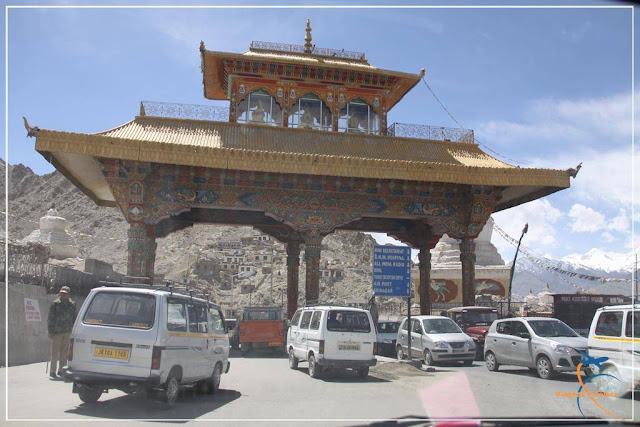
615 334
332 337
145 339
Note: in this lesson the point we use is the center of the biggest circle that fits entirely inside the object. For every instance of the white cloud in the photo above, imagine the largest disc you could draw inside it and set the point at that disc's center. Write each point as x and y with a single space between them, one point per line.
573 122
621 222
541 216
608 237
586 219
605 178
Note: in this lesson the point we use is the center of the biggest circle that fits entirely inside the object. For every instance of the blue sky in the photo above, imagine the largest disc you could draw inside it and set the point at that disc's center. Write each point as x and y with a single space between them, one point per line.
545 87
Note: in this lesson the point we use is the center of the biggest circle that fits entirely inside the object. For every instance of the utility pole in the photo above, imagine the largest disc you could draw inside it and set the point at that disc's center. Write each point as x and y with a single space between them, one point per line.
513 267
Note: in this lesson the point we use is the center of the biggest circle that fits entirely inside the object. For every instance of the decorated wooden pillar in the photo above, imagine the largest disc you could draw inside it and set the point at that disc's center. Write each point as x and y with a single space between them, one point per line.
424 260
293 266
312 248
468 260
141 248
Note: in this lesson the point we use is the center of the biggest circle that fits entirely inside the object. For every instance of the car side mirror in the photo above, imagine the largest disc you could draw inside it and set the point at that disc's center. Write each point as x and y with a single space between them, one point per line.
526 335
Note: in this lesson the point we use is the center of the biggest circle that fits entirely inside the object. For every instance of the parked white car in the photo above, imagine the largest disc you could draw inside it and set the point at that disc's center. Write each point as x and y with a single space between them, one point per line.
435 339
145 339
615 335
332 337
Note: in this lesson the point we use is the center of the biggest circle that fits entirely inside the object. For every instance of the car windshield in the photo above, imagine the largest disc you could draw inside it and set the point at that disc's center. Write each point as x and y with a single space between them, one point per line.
348 321
388 327
262 315
440 326
121 309
551 328
479 317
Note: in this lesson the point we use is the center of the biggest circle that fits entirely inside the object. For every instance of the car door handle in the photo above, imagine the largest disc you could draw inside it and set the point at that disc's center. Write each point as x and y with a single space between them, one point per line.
513 343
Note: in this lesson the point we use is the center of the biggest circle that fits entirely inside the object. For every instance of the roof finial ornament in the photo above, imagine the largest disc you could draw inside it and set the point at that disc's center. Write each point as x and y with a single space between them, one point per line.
307 38
31 130
574 172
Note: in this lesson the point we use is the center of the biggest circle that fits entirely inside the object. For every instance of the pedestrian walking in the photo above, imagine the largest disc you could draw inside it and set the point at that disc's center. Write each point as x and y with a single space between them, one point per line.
62 314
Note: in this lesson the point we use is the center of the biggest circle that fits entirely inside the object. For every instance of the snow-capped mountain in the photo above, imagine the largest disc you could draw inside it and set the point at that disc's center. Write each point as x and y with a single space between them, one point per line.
602 261
530 276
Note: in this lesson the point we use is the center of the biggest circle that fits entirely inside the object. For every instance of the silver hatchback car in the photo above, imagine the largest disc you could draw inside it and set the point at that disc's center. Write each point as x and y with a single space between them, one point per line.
435 339
542 344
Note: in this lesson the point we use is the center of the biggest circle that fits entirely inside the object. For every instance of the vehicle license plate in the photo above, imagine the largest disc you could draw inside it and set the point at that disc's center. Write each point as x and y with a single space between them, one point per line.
110 353
275 344
458 350
348 346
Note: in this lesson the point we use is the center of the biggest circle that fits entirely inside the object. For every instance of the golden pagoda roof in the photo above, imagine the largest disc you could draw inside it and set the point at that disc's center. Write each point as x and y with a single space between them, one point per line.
286 150
214 75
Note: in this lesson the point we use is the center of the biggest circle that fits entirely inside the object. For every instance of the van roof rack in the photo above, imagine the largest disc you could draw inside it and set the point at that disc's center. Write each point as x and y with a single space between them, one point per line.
168 285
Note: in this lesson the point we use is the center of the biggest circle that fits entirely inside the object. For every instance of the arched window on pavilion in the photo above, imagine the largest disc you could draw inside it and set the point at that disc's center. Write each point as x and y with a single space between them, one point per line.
310 112
358 116
259 107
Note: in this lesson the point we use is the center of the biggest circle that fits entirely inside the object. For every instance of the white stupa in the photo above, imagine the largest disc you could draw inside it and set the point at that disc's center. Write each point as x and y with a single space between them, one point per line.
447 251
546 296
492 275
52 234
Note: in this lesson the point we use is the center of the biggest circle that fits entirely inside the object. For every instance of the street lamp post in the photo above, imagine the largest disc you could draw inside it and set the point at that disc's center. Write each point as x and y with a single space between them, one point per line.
513 266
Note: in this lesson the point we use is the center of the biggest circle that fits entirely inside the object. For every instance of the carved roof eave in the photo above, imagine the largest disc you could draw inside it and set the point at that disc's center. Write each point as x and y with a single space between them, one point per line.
213 74
520 184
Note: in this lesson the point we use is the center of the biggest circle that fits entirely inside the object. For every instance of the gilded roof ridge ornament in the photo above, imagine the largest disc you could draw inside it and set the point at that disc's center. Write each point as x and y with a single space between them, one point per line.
202 48
308 47
31 131
142 111
574 172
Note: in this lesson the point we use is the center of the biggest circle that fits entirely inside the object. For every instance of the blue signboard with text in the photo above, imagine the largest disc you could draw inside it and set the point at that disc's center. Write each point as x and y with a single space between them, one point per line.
391 270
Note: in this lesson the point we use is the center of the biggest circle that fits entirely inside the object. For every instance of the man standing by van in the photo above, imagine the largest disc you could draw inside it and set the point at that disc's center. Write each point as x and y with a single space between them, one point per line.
62 314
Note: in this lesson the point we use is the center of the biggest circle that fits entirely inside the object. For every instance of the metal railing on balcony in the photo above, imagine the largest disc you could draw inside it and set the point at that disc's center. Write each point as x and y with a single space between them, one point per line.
437 133
294 48
184 111
221 114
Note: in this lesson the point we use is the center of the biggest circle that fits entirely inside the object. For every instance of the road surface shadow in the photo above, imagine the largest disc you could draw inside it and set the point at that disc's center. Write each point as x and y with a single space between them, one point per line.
567 377
257 354
345 376
190 405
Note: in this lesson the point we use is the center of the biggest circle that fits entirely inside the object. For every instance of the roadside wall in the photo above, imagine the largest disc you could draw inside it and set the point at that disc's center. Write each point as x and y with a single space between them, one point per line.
28 339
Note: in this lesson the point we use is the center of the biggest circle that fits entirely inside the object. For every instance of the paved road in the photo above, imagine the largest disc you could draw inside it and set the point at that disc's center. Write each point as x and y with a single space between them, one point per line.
263 387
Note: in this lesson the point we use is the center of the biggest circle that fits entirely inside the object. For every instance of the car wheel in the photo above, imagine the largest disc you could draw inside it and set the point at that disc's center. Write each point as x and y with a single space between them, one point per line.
363 372
608 384
544 368
491 361
467 362
400 353
428 358
89 394
293 360
171 390
314 369
214 382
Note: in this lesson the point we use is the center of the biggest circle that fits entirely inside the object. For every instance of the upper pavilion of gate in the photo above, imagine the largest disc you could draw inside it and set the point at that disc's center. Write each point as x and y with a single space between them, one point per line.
295 110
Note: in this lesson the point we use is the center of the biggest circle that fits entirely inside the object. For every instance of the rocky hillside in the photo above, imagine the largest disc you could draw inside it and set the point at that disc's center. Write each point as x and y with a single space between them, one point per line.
183 253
